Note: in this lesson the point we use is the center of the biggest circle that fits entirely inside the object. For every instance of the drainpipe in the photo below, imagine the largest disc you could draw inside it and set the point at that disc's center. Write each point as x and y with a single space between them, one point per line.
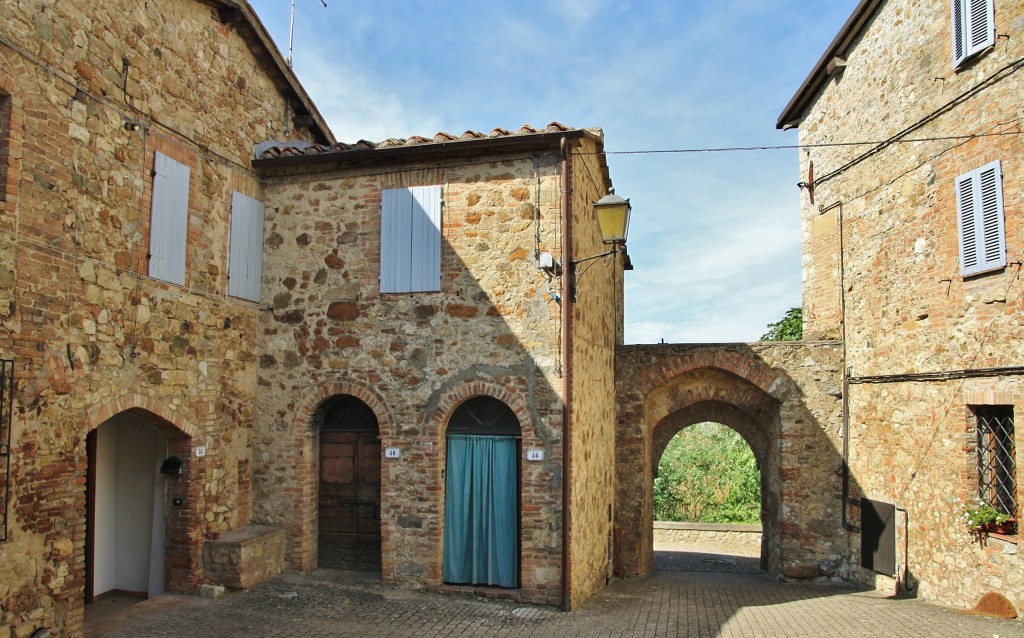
567 309
846 372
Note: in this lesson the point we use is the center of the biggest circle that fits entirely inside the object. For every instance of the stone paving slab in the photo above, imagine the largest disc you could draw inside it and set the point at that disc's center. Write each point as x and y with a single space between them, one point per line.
340 604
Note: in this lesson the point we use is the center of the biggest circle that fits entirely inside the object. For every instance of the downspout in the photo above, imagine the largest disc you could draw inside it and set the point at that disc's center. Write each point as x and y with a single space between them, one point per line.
567 308
846 371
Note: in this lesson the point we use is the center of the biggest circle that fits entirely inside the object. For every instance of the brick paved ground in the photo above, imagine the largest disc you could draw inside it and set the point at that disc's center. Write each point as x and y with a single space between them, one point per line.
670 603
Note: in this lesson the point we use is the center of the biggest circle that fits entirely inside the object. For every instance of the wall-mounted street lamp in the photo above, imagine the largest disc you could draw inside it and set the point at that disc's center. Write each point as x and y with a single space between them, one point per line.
613 220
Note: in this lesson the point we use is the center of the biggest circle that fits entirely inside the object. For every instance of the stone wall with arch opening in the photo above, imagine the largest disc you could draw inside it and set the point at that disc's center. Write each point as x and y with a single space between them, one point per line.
782 398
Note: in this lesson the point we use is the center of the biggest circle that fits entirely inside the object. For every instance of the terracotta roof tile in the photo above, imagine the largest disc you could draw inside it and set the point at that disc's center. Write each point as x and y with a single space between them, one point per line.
270 150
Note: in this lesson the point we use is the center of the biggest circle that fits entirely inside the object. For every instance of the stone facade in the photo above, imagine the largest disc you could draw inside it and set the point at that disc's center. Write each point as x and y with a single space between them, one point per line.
89 91
495 328
782 398
925 345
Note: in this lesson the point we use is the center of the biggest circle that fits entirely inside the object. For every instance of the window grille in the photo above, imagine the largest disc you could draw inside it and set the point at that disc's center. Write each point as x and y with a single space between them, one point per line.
997 477
6 417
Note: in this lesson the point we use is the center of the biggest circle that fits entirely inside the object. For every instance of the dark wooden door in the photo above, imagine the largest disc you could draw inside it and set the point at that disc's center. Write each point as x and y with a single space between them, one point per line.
349 501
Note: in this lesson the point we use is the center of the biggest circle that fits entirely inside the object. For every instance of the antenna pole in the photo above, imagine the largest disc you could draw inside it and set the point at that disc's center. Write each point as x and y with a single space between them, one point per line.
291 31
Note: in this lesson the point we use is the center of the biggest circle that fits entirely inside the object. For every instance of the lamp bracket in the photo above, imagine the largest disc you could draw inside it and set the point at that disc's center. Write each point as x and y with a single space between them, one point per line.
575 275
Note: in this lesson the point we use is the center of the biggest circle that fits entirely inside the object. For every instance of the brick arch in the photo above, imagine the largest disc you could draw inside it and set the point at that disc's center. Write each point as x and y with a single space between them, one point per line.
716 412
138 405
699 385
448 400
759 432
674 391
183 555
301 456
740 366
306 411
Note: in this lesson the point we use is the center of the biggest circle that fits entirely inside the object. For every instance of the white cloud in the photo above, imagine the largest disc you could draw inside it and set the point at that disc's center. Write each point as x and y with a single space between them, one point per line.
356 107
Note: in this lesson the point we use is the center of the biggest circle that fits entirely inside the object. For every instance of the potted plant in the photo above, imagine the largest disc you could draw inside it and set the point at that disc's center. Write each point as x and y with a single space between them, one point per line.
982 517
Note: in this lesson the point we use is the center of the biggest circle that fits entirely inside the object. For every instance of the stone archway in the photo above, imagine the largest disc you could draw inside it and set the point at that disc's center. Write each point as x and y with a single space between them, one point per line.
698 394
136 542
758 435
288 472
754 389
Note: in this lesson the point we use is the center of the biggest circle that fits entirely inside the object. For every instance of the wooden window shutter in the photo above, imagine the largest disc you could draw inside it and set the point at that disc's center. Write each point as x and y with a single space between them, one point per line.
974 28
410 239
245 248
168 226
979 205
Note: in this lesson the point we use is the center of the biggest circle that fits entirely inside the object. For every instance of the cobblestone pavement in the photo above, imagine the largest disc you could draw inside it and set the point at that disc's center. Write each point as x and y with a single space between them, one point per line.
669 603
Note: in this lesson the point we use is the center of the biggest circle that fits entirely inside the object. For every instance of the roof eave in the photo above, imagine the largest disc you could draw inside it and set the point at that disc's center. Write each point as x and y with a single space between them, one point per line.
794 111
454 148
255 34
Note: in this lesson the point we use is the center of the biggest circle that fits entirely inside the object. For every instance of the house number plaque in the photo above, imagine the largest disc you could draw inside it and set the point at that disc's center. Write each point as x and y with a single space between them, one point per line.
392 452
535 454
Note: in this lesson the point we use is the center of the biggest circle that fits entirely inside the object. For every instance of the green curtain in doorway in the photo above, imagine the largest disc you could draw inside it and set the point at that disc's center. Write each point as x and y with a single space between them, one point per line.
481 531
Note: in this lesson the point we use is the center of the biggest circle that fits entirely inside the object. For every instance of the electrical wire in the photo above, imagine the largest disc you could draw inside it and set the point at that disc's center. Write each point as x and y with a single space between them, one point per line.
787 147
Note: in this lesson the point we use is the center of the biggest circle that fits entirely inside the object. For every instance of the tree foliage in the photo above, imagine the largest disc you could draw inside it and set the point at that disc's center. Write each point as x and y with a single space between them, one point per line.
789 328
708 474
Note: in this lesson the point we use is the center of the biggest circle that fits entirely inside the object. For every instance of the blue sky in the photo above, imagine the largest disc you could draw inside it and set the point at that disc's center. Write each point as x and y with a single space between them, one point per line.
715 237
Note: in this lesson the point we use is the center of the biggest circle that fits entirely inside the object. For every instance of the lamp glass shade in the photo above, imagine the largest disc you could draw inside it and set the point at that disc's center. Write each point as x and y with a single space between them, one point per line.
613 218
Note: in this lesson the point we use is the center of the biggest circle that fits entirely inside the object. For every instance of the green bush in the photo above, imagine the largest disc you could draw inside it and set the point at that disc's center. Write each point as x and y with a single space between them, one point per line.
708 474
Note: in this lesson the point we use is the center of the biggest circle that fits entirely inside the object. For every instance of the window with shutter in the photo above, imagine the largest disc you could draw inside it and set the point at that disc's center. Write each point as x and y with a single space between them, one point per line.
410 239
168 226
979 207
245 249
973 28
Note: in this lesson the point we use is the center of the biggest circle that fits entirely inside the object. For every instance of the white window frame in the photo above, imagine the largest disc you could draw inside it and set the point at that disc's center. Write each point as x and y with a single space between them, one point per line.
245 247
980 219
410 239
973 28
168 223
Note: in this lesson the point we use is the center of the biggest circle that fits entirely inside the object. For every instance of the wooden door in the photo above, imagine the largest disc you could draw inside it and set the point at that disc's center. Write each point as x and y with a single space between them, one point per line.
349 505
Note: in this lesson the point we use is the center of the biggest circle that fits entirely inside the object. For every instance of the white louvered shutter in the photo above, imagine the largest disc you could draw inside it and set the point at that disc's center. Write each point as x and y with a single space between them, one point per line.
410 239
245 248
973 27
979 205
168 226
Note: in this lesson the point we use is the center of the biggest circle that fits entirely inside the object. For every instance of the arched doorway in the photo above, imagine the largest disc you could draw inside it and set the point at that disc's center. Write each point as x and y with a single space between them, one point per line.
349 502
757 432
707 496
126 521
481 523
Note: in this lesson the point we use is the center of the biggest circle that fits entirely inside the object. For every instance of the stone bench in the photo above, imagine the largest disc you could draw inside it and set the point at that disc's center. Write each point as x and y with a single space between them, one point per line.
244 557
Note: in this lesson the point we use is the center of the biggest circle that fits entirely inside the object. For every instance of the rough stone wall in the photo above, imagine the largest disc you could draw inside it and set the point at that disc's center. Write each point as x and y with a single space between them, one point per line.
908 308
90 334
493 329
783 398
597 313
244 557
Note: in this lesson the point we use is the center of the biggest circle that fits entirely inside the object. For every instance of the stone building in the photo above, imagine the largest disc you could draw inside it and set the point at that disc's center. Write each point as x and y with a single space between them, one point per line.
128 323
417 305
913 241
172 389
